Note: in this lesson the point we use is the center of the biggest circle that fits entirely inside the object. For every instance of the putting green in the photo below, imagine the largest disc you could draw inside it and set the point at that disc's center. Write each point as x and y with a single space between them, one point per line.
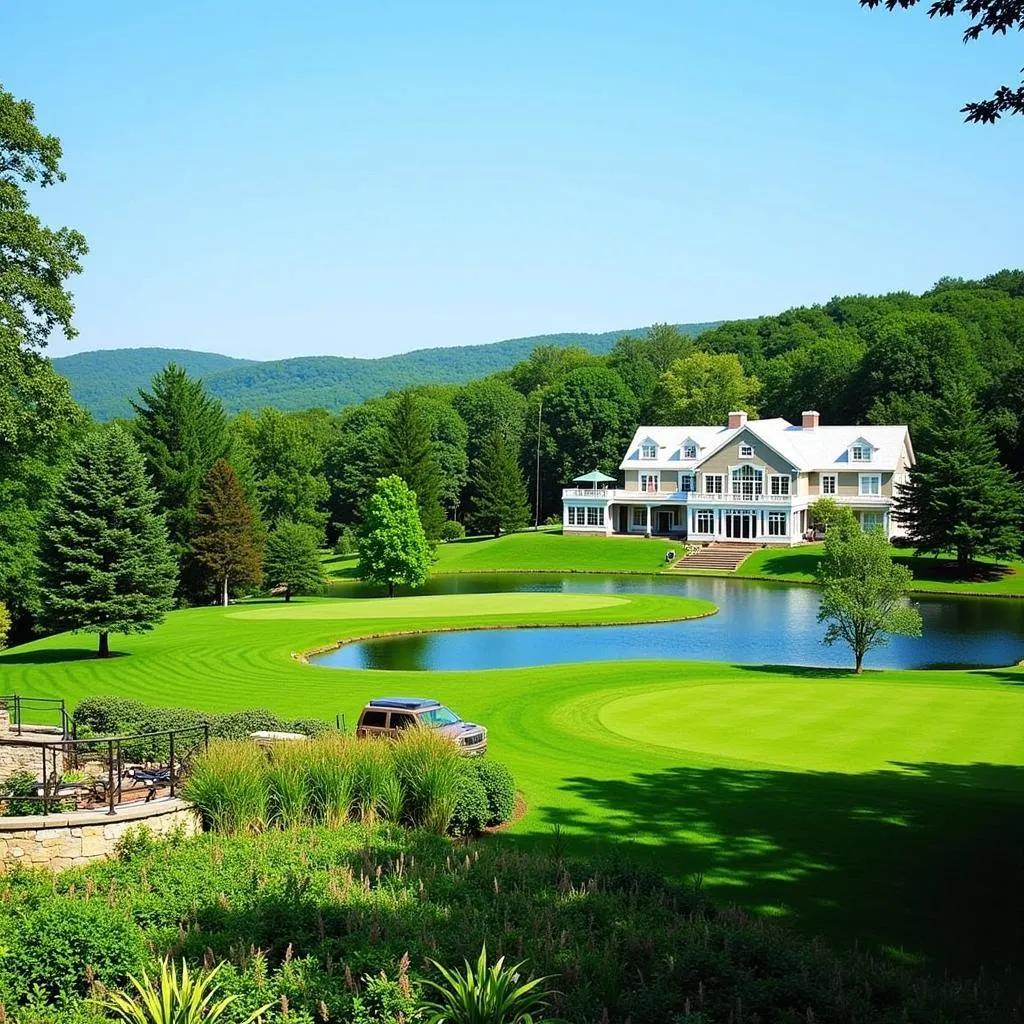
433 607
816 725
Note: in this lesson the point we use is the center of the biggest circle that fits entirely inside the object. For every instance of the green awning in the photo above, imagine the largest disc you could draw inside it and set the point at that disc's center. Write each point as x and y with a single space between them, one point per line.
594 477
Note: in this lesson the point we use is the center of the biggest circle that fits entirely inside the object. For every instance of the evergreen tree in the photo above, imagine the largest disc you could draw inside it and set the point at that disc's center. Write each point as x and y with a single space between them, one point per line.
181 432
862 590
959 497
412 456
227 540
293 560
499 492
393 548
106 563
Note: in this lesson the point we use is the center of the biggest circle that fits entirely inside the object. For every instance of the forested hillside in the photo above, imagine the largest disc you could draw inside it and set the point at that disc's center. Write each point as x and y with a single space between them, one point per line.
103 382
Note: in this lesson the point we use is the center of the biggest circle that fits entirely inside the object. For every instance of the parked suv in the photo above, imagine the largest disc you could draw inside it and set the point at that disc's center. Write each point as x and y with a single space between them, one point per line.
388 716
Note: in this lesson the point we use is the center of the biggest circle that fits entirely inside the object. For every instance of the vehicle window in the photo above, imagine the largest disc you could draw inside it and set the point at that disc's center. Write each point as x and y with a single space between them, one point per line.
440 716
400 720
374 719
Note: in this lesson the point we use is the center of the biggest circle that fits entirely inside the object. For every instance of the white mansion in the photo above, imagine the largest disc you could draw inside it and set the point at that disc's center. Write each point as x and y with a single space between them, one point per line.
749 481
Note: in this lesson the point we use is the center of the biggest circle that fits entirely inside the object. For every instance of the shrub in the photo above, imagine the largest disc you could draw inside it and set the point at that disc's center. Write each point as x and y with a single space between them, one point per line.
374 762
310 726
240 725
347 542
229 785
452 530
429 766
471 812
289 793
500 787
66 945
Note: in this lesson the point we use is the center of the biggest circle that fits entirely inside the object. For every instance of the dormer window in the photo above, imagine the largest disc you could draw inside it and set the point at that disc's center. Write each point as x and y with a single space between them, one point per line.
648 450
746 451
689 450
860 453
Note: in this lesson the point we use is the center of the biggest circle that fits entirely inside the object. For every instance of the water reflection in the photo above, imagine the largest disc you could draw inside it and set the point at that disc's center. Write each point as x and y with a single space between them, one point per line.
757 623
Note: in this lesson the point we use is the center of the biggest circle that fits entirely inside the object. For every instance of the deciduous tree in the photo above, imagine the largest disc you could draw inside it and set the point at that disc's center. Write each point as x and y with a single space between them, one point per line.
393 549
227 541
993 16
106 563
703 388
499 499
863 592
5 624
959 497
293 560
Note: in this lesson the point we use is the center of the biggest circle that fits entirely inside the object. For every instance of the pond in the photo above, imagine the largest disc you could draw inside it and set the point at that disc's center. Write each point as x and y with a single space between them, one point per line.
757 623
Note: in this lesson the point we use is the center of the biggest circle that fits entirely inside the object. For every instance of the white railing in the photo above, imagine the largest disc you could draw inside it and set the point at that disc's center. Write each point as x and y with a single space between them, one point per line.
618 494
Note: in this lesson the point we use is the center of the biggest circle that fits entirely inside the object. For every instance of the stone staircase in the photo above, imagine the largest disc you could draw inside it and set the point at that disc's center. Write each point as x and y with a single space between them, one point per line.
722 557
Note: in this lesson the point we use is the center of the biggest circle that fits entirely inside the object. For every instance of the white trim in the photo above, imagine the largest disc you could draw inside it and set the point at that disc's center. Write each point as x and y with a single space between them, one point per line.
862 478
772 477
746 451
834 477
720 477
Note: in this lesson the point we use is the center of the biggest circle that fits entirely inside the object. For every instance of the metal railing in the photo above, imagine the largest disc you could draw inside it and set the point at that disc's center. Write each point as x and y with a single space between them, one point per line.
727 498
25 712
114 777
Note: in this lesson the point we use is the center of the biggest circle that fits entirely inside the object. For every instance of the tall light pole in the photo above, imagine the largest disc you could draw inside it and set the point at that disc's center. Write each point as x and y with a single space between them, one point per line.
536 472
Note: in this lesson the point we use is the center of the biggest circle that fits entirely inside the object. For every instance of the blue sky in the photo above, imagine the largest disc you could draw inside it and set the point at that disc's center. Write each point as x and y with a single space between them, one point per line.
266 179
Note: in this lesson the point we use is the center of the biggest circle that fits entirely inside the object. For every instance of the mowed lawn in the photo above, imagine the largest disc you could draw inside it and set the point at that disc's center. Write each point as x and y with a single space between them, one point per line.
886 809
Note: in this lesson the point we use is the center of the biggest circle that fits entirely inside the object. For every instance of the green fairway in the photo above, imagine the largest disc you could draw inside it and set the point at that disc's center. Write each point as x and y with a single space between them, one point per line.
887 809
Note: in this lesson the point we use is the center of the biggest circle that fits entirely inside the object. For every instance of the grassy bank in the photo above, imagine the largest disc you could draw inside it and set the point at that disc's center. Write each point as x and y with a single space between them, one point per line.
549 551
887 809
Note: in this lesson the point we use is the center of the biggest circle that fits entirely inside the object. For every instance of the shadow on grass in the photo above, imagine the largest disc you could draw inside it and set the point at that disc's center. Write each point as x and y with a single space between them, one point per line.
925 859
56 656
946 570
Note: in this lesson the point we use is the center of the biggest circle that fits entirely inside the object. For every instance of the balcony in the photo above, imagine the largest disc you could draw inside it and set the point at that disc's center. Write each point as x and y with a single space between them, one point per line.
655 497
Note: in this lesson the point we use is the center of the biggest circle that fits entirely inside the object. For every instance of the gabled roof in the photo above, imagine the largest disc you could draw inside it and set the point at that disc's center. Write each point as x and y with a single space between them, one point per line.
823 448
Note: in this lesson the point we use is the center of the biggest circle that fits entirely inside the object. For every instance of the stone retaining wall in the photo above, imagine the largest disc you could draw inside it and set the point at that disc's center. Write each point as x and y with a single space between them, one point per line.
60 841
16 752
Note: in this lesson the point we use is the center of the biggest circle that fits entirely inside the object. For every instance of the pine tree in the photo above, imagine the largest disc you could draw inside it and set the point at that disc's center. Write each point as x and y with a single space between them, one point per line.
227 541
393 548
106 563
411 455
293 560
959 497
499 492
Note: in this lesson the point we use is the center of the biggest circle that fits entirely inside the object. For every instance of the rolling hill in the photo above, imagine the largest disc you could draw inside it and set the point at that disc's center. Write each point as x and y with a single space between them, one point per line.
104 381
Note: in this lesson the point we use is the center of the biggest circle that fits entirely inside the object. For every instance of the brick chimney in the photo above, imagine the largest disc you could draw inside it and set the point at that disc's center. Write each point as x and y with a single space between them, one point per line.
737 420
811 419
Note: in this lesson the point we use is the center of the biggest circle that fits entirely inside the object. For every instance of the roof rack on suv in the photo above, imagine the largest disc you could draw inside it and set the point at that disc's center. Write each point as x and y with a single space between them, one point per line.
405 703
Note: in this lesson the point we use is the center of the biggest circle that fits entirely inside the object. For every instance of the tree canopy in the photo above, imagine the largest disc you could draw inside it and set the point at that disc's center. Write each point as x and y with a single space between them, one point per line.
499 499
393 549
996 17
106 563
412 455
292 560
703 388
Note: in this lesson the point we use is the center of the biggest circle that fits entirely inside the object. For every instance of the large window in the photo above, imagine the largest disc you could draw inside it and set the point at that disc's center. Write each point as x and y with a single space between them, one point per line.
713 483
871 521
639 516
860 453
595 515
584 515
828 483
685 482
648 450
705 521
747 482
779 484
776 524
649 483
870 483
689 451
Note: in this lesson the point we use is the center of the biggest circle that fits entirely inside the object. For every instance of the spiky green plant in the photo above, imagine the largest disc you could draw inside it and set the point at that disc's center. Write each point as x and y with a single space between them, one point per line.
392 794
488 995
374 763
228 784
429 766
331 771
174 999
287 776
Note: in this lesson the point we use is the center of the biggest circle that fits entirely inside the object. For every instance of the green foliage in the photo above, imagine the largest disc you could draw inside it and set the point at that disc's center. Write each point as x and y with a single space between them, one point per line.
500 788
452 529
826 513
863 597
174 999
355 461
640 362
227 541
412 456
488 994
703 388
958 496
393 548
181 432
106 563
490 404
65 946
293 559
231 787
5 625
347 542
472 813
499 498
287 465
